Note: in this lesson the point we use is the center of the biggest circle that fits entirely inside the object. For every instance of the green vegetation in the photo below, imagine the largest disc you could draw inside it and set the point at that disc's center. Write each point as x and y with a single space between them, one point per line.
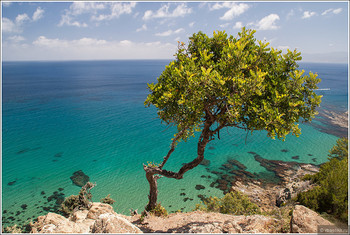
159 210
331 193
235 203
225 81
107 200
80 201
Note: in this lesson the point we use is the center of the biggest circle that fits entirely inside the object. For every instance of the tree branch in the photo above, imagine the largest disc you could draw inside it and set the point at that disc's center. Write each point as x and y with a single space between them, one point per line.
173 144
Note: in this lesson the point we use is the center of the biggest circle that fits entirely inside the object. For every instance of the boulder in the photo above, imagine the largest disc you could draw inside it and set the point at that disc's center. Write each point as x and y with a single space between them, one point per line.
100 218
283 196
98 209
79 178
111 223
305 220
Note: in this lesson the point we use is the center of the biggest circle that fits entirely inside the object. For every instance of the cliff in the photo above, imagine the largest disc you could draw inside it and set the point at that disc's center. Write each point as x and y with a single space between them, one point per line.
101 218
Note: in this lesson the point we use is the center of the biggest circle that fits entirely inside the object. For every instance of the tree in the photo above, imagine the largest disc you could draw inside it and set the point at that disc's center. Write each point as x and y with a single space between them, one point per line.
224 81
331 192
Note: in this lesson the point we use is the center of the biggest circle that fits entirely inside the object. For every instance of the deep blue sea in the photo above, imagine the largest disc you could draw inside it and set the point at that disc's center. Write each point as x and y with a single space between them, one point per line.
61 117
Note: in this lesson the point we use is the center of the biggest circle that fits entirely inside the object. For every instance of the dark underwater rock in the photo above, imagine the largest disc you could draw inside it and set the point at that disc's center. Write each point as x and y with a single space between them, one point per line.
205 162
59 154
79 178
284 150
254 153
11 183
236 163
199 187
295 157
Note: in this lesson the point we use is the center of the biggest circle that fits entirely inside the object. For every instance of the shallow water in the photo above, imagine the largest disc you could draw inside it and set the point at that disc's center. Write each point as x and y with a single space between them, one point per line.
61 117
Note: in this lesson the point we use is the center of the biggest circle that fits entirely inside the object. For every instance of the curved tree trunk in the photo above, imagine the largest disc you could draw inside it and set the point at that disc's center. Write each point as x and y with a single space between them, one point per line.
152 173
153 191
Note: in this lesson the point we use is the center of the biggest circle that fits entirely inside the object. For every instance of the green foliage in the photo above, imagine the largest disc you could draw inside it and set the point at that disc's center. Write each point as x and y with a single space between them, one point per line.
331 193
107 200
340 150
235 81
152 164
159 210
232 203
80 201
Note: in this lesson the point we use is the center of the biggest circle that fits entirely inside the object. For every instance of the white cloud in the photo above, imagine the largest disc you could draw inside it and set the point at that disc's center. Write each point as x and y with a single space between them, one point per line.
20 19
163 12
308 14
117 9
8 26
169 32
238 25
235 9
15 26
268 22
337 11
114 10
224 25
16 39
143 28
59 44
38 14
331 10
45 48
78 8
191 24
68 20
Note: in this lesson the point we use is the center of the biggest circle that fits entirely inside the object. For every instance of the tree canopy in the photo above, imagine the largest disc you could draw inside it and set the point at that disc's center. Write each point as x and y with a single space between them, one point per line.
227 81
236 81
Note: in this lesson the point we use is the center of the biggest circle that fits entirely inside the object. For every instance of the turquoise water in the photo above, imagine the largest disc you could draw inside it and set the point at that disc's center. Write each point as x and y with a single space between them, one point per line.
61 117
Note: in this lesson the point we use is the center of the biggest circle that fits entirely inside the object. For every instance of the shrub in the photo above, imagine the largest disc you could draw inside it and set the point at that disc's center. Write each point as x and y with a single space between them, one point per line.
331 193
80 201
107 200
232 203
159 210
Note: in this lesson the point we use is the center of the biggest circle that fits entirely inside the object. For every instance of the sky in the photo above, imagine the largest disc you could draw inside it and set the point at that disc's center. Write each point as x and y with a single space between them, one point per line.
151 30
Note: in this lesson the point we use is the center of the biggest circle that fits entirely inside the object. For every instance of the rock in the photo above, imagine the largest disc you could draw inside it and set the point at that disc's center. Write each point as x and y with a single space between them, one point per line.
205 162
199 187
305 220
111 223
283 196
98 209
236 163
100 218
79 215
79 178
210 222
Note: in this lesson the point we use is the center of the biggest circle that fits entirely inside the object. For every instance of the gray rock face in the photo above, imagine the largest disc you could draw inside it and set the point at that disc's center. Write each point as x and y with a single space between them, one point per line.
100 218
305 220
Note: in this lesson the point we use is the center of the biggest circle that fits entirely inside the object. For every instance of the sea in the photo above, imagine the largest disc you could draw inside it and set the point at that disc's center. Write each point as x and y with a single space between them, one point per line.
67 116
